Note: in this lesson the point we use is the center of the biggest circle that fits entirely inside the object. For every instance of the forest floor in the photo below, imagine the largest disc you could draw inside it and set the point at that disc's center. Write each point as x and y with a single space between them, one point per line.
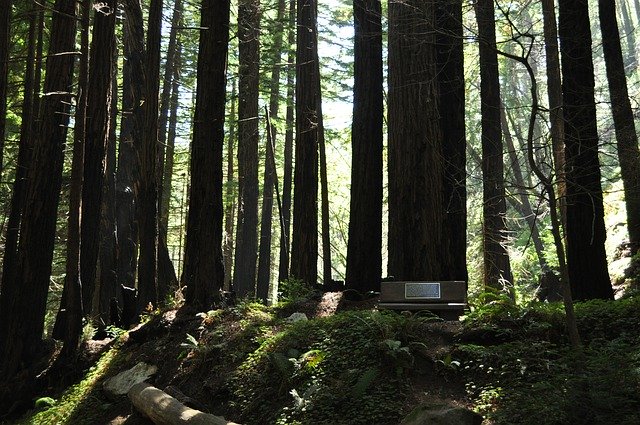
352 364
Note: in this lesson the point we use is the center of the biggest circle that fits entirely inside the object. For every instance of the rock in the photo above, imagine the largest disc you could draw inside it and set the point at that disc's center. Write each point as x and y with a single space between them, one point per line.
296 317
120 384
441 414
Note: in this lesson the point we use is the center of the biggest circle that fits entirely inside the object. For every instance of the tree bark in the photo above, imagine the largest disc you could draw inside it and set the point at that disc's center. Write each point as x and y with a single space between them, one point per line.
23 300
626 136
285 243
203 268
5 25
97 138
497 270
244 272
451 106
231 199
364 249
415 144
585 231
304 243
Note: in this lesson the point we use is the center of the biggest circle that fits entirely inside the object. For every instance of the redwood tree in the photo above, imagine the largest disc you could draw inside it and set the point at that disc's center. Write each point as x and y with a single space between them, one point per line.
23 299
5 19
585 231
364 250
203 267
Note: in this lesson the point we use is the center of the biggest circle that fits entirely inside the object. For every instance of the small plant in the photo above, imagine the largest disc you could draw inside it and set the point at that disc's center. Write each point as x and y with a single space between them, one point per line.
295 290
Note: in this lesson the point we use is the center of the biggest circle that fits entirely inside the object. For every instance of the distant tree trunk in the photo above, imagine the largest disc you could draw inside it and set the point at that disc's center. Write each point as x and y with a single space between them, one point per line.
264 259
29 115
285 243
631 62
304 243
148 157
497 270
415 144
554 90
23 300
451 106
165 157
231 194
364 249
203 267
626 137
98 132
71 309
585 231
636 6
324 191
5 25
244 272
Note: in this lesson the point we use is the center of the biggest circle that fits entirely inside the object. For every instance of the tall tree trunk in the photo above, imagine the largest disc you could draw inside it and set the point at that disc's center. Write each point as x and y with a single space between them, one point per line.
415 144
497 270
231 195
23 300
126 225
285 242
451 106
165 157
324 190
304 243
554 93
244 272
364 249
636 6
5 25
203 267
72 304
630 62
29 115
148 157
626 136
585 231
97 138
264 261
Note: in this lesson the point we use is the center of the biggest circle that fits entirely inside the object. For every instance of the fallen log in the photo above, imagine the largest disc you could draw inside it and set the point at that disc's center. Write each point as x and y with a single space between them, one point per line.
163 409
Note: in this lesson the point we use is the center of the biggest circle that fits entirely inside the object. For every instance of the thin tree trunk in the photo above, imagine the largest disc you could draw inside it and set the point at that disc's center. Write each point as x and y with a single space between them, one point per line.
5 25
324 190
23 300
304 243
231 194
497 270
165 157
264 259
630 61
285 243
626 136
244 272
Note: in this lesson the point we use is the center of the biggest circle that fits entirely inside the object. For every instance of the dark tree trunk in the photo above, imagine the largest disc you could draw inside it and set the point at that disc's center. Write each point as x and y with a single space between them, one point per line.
71 309
630 62
98 132
148 157
451 105
203 267
231 200
626 136
324 190
165 157
5 25
29 114
23 300
304 243
554 90
497 270
364 249
415 144
244 272
285 242
585 231
264 262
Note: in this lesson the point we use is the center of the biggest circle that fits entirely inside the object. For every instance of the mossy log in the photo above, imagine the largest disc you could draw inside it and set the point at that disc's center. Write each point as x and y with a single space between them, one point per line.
163 409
